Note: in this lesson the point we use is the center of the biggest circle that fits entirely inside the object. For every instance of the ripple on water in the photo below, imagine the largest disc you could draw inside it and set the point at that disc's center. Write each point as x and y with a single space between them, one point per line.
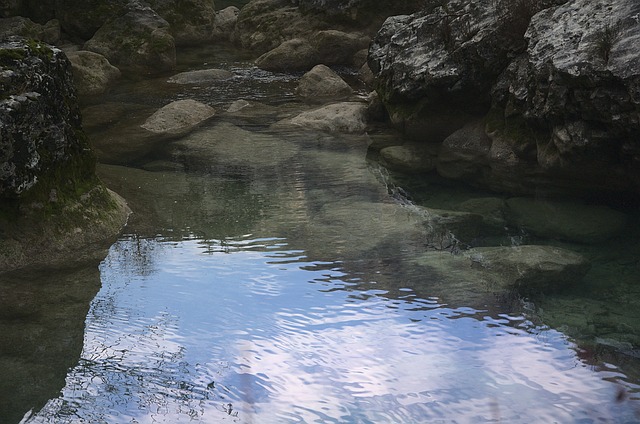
255 333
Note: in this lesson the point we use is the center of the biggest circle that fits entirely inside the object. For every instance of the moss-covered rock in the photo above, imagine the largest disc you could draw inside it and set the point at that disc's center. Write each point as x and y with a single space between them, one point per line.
51 203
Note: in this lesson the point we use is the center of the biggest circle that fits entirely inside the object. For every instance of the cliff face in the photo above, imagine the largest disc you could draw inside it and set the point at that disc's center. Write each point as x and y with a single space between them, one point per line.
555 85
51 202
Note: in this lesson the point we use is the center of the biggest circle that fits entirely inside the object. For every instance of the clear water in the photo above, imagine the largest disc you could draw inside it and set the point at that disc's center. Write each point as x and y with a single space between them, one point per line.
270 276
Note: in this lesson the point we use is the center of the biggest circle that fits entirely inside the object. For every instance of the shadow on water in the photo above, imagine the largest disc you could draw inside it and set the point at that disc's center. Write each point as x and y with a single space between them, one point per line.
42 315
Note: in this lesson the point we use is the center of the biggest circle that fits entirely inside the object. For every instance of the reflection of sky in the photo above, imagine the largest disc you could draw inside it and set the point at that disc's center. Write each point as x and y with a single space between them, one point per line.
239 332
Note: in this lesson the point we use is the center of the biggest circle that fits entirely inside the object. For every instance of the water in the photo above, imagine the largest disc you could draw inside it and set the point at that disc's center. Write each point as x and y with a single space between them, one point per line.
271 275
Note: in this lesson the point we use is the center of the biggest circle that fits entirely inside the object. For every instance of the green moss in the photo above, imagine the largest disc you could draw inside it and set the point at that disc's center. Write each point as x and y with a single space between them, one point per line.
40 49
8 56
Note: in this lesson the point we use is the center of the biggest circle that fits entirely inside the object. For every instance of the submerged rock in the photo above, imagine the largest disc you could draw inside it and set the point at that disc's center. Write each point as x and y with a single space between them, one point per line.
411 157
526 269
566 221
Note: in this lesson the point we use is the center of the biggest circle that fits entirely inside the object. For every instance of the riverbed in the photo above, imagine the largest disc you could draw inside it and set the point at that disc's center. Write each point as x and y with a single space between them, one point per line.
272 274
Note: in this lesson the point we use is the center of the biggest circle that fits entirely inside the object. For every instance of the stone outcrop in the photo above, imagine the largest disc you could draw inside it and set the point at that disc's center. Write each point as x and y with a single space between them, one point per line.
538 101
25 27
51 203
191 21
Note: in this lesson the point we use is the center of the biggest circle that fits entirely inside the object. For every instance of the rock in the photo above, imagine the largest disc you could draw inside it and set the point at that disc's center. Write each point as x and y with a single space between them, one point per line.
338 48
566 221
526 269
226 145
225 23
571 107
361 13
345 117
52 205
492 210
138 41
263 25
321 83
465 153
292 55
18 25
413 158
191 22
92 72
82 19
178 118
202 76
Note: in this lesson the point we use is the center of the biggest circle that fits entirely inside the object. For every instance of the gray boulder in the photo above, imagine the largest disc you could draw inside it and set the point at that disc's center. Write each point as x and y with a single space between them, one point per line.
92 72
139 41
225 23
413 158
292 55
569 104
337 47
201 76
345 117
465 153
178 118
322 83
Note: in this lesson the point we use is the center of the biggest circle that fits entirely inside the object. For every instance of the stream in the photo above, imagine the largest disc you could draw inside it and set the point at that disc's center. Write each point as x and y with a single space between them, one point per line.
272 274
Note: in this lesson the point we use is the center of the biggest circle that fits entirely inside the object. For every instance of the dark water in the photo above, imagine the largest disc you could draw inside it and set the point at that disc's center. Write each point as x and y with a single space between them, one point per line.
273 275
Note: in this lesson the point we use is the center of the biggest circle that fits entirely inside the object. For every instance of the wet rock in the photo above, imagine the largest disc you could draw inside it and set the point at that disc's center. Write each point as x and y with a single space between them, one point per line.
202 76
492 210
527 269
321 83
346 117
139 41
292 55
566 221
92 72
411 157
178 118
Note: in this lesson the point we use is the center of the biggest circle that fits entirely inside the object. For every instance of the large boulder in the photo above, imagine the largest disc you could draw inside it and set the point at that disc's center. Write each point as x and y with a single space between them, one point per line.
137 41
569 105
92 73
225 23
435 68
52 206
200 76
293 55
